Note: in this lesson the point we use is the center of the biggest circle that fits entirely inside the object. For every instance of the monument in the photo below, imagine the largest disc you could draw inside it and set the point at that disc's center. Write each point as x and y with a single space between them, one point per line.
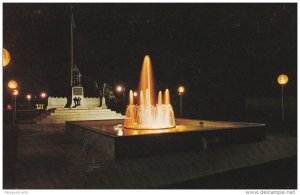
79 107
77 89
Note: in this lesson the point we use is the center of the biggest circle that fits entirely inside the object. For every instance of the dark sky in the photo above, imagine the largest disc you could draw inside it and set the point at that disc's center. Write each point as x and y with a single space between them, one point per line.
222 53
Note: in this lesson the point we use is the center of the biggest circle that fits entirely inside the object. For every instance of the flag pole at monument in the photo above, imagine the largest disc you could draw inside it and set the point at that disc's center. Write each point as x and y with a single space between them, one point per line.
72 60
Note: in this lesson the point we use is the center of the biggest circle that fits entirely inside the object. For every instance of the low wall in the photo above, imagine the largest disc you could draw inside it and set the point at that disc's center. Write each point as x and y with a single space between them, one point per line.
60 102
90 102
56 102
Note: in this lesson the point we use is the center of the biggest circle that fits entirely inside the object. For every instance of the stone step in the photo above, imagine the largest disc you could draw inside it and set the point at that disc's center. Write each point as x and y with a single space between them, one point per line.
74 111
81 113
81 108
61 115
50 120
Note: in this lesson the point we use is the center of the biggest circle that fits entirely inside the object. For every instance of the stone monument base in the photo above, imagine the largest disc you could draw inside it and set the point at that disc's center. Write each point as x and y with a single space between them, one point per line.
61 115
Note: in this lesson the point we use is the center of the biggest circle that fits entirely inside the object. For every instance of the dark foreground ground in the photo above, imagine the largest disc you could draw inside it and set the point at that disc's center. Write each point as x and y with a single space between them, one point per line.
44 157
279 174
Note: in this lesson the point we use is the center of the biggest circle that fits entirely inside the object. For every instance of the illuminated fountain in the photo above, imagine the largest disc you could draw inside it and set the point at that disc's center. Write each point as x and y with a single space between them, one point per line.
149 127
149 114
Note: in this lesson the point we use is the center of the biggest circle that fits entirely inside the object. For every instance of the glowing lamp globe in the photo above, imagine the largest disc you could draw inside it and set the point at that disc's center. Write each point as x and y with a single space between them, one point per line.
28 96
15 92
9 107
12 84
282 79
119 88
43 95
180 90
5 57
135 94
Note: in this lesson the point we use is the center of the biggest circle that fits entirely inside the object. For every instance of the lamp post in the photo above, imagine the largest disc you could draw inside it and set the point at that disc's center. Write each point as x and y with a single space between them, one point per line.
135 94
28 97
43 95
180 92
12 85
120 89
15 92
282 80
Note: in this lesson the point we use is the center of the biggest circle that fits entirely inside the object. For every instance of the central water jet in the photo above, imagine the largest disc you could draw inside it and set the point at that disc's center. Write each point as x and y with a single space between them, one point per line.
149 114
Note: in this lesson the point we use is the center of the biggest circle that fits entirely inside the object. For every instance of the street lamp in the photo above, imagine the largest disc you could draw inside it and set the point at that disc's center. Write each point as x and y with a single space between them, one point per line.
5 57
135 94
12 84
282 80
119 88
15 93
9 107
43 95
180 92
28 97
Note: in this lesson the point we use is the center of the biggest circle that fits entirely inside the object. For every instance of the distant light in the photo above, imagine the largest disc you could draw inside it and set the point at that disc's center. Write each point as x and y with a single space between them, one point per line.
282 79
5 57
119 88
180 90
28 96
9 107
43 95
15 92
135 94
12 84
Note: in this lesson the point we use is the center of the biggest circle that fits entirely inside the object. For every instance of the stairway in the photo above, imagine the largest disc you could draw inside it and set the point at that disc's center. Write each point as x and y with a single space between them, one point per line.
61 115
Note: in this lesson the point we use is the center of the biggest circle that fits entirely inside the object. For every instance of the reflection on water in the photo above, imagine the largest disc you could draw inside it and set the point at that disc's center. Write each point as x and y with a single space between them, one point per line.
120 130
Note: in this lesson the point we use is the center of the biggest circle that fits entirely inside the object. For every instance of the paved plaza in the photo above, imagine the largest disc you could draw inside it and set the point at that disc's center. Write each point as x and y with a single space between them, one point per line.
47 158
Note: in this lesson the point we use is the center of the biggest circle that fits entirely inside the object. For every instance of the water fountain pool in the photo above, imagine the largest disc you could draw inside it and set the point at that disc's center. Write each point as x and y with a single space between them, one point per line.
150 129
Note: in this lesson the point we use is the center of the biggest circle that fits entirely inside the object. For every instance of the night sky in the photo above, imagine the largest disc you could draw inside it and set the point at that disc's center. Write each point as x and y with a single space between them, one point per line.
221 53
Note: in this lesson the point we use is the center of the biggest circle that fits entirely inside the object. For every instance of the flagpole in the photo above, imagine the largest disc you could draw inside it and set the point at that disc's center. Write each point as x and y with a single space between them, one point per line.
72 62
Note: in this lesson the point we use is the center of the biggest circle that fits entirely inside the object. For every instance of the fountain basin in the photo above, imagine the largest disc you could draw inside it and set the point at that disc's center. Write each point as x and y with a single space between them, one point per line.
110 137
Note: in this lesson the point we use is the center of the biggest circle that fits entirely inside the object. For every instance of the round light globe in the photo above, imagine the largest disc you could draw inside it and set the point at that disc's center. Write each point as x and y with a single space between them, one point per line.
28 96
181 90
12 84
43 95
5 57
15 92
282 79
119 88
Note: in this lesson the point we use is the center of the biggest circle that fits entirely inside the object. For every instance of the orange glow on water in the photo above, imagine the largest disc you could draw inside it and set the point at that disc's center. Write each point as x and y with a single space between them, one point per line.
149 114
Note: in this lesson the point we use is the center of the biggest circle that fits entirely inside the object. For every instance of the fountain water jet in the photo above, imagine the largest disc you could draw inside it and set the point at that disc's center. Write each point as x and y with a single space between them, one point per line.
148 115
